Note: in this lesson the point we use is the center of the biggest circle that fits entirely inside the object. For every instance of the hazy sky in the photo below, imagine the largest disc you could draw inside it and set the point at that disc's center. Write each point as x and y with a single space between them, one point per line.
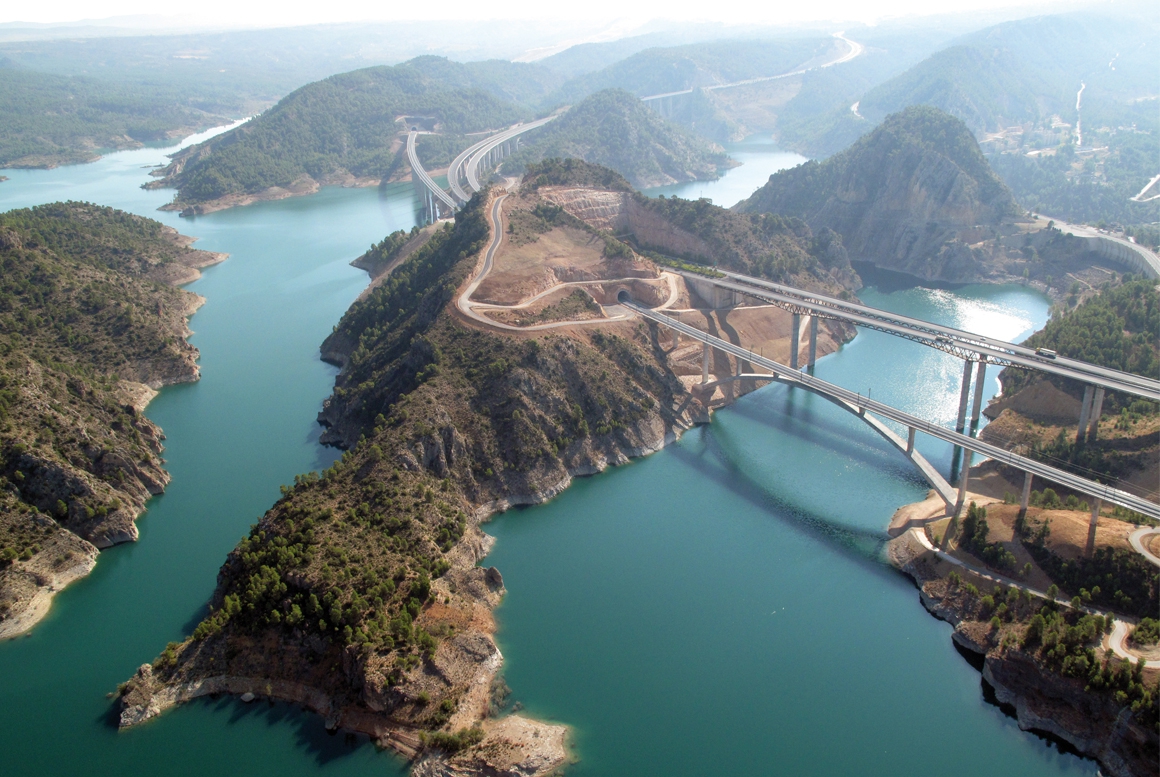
291 12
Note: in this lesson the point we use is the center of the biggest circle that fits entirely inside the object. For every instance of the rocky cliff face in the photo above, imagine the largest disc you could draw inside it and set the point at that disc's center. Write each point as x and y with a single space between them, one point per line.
915 195
1099 723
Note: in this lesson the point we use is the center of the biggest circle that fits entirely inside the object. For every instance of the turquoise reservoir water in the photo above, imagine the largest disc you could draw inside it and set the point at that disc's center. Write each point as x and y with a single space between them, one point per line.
717 608
759 157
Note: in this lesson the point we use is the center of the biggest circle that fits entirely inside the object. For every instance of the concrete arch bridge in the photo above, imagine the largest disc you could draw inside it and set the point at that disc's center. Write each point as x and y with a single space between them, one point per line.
867 409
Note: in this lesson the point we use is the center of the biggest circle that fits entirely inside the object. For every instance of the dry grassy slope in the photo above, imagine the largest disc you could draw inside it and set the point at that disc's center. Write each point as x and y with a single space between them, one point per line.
83 325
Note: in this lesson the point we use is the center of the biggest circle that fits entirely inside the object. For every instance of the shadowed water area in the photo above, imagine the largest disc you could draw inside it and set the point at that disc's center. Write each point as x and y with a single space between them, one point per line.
719 607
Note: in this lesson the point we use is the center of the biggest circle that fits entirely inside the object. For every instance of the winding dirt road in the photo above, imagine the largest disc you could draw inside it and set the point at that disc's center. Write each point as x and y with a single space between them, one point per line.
470 308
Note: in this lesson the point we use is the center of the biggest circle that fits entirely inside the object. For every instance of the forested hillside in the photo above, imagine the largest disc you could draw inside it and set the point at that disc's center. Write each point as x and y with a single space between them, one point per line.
48 120
1117 328
345 124
79 316
1017 86
899 196
614 129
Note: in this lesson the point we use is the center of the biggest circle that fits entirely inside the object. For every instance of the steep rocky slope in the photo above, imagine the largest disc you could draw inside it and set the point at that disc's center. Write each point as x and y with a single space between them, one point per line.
87 334
913 195
1047 664
780 248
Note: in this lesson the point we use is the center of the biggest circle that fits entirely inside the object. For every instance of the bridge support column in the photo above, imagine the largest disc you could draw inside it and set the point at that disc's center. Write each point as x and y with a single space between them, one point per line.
705 364
1084 412
795 341
963 481
964 395
676 339
910 439
813 341
1091 538
1097 411
1026 496
977 405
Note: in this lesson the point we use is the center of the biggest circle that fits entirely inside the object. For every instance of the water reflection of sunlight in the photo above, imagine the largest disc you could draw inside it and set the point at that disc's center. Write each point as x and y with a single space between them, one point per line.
982 317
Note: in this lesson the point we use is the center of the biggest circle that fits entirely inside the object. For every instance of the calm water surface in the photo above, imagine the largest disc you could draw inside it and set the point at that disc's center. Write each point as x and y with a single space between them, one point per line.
719 607
759 157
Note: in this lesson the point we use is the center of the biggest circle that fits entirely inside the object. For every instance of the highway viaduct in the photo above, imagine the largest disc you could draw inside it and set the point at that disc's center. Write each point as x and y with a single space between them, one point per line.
960 437
464 169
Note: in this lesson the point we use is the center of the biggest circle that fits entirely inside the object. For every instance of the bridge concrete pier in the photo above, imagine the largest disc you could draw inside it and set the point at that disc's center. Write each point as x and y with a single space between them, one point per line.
964 480
1084 413
977 405
964 395
858 404
1097 411
705 364
813 341
910 439
795 341
1026 496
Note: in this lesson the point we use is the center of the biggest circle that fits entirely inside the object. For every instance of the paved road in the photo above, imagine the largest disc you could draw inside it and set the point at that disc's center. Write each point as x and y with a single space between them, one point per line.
1136 539
417 170
856 49
1081 230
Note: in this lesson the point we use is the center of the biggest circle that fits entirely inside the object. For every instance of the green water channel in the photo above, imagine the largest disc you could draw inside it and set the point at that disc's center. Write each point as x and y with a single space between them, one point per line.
717 608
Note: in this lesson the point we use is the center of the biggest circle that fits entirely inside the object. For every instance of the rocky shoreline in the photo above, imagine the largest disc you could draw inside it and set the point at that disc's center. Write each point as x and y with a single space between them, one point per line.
1043 702
512 744
114 475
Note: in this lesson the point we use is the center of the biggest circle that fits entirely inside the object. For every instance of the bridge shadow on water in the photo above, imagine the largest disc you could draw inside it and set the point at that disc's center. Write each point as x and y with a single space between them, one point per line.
720 458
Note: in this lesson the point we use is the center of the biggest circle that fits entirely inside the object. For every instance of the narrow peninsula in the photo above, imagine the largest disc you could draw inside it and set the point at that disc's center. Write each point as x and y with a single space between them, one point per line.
91 327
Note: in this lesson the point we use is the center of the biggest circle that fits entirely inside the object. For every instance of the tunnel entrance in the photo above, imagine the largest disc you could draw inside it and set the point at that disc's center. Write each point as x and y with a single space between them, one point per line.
623 296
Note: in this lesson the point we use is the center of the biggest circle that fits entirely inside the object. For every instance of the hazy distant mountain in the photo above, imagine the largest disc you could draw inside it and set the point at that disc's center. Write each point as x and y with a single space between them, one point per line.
660 70
48 120
988 88
614 129
900 196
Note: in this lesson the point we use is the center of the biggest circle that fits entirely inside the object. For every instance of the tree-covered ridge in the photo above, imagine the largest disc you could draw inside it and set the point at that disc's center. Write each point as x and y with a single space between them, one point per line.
95 235
871 164
783 249
71 291
900 197
572 171
614 129
343 124
48 120
77 318
1116 328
